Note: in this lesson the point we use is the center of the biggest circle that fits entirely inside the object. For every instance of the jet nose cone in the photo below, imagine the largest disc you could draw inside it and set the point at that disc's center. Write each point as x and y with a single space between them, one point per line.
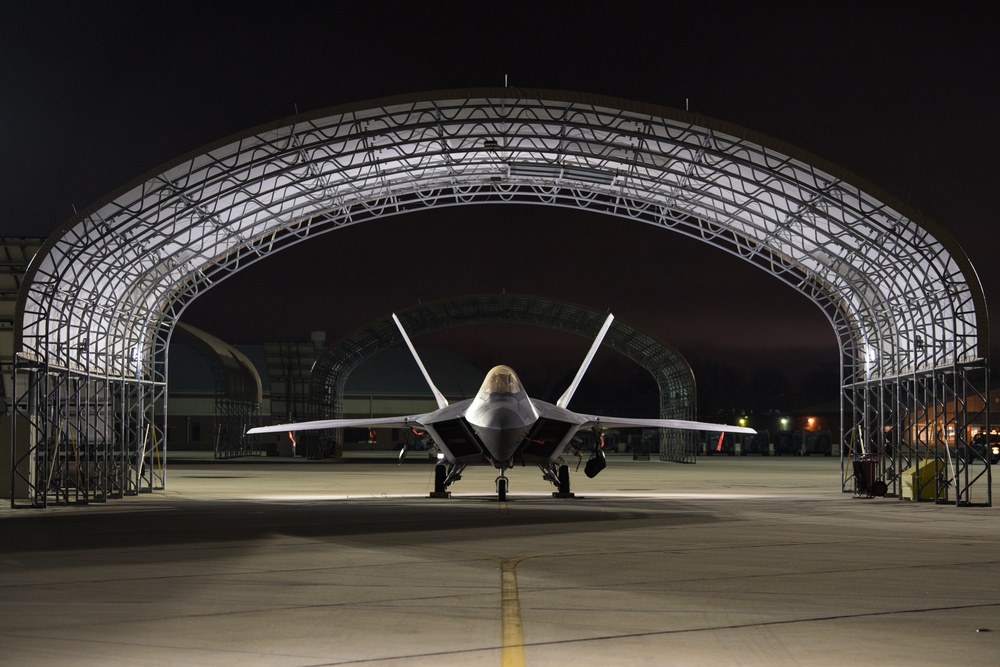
502 443
505 418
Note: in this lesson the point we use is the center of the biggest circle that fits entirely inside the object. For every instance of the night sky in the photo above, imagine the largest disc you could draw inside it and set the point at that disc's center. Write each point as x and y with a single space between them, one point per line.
94 97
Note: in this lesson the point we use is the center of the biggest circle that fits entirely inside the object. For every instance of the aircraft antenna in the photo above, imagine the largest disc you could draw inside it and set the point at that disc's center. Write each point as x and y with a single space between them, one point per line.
438 396
568 394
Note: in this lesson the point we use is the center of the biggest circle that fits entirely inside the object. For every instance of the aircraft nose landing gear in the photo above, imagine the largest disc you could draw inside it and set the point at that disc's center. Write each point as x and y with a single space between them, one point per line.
502 487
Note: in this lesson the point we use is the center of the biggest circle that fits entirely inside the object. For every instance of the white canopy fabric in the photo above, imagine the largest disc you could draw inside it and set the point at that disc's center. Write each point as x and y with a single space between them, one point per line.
107 286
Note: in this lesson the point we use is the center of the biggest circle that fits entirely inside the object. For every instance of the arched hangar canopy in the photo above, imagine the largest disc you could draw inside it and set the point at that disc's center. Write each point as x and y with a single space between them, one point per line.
236 378
106 290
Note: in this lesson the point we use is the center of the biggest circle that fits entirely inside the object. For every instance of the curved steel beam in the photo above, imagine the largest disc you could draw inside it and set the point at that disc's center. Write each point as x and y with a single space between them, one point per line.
898 285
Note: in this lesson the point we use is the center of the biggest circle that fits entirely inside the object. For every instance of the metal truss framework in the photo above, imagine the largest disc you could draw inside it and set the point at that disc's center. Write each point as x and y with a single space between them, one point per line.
15 255
99 303
238 392
670 370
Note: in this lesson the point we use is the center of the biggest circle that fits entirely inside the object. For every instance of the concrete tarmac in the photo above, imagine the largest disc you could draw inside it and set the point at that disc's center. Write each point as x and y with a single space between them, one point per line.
731 561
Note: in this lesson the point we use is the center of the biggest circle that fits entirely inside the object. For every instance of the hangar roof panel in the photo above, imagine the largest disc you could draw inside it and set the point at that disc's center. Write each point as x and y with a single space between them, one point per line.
120 273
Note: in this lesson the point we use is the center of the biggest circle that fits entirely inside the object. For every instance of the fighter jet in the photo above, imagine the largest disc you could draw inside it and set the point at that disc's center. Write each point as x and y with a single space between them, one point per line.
503 427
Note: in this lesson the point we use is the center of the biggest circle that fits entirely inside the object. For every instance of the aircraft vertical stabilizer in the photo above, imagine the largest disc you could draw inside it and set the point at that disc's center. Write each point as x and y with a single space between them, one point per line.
568 394
438 396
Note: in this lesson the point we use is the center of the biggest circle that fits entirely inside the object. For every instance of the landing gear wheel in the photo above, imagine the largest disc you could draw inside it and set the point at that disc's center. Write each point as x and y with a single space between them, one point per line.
502 489
440 472
563 479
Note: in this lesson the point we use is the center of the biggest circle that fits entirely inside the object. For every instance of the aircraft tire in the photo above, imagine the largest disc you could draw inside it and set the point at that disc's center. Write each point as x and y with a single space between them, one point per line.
502 489
440 472
563 479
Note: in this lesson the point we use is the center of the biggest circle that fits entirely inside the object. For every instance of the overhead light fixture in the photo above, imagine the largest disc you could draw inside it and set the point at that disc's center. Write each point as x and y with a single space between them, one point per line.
560 172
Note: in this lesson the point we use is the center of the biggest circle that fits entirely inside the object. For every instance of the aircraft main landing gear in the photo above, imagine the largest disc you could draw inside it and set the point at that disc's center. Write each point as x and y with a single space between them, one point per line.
440 482
562 483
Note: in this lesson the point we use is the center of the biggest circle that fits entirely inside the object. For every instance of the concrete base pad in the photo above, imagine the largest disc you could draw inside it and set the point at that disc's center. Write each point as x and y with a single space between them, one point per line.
748 561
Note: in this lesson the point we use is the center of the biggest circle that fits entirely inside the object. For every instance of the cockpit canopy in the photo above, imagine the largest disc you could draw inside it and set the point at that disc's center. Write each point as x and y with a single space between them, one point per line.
501 380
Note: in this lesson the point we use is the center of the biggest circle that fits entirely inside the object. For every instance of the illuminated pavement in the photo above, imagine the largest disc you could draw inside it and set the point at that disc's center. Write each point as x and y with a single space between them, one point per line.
732 561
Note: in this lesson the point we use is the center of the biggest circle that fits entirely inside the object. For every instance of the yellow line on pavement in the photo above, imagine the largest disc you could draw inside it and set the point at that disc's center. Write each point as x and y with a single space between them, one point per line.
512 654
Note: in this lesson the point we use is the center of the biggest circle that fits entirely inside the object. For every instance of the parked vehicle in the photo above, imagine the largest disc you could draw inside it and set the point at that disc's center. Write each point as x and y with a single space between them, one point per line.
987 445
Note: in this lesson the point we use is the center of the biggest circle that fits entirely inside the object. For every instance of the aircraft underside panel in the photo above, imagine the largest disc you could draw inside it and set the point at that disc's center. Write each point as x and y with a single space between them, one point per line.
546 440
455 436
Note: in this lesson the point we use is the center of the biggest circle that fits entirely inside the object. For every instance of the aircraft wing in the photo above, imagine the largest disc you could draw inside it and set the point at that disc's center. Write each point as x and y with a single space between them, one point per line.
630 422
387 422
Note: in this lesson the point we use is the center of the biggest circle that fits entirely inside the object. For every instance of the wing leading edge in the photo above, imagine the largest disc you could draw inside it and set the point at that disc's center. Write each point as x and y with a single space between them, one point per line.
385 422
635 422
